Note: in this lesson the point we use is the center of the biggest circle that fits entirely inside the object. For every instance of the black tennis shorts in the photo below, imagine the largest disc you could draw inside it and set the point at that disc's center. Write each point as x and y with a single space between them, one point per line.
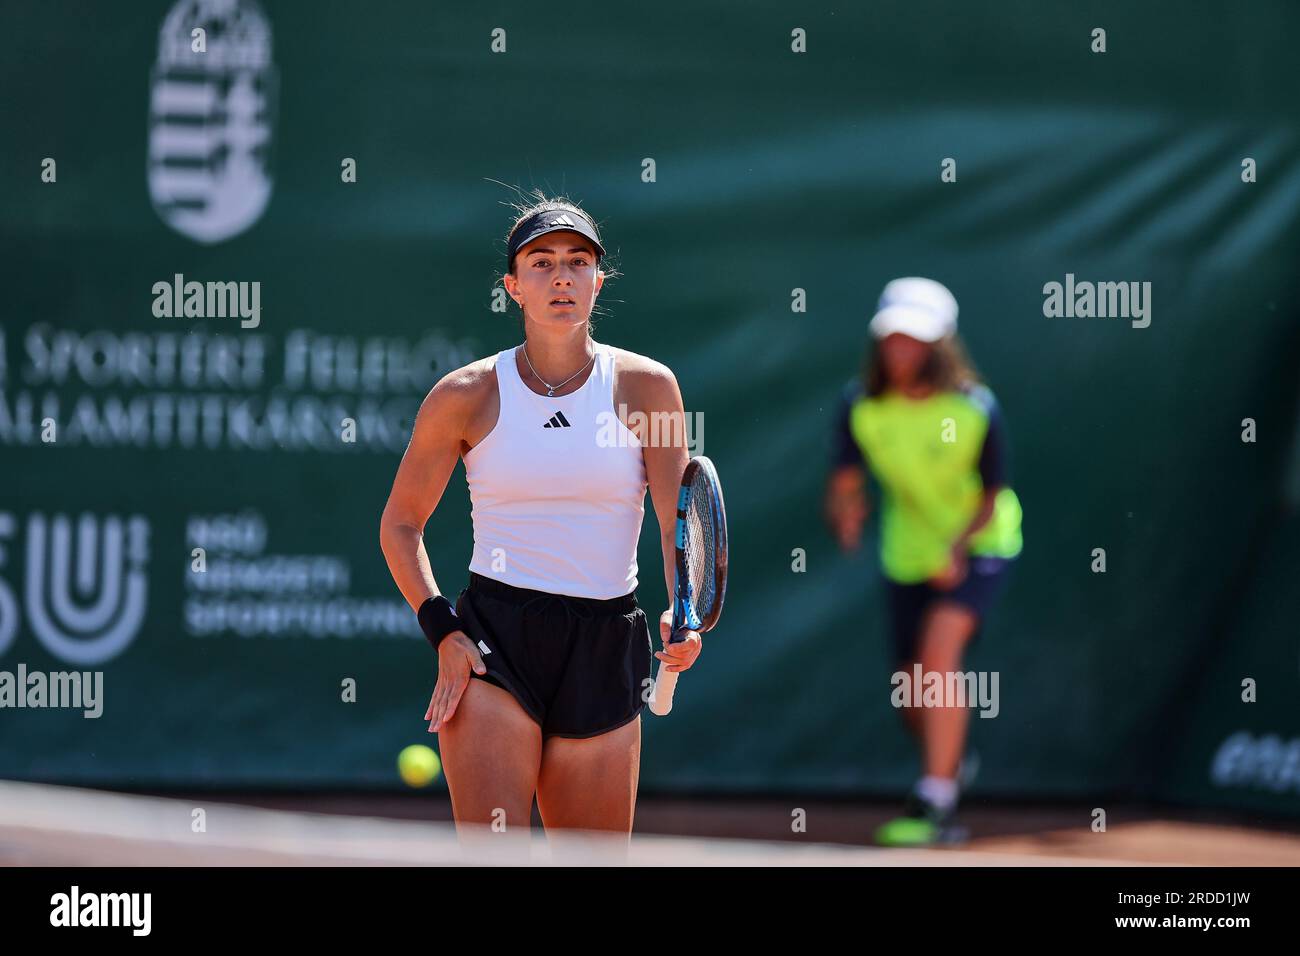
577 666
908 603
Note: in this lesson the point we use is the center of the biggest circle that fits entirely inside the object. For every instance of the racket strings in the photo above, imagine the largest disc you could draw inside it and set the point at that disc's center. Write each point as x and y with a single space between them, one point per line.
701 550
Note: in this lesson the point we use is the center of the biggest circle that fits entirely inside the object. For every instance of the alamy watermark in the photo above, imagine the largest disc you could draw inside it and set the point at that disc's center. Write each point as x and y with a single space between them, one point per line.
920 688
82 690
1098 300
128 910
179 299
661 429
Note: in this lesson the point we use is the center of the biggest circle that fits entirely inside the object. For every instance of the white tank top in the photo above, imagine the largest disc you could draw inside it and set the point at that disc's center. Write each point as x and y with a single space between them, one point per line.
558 488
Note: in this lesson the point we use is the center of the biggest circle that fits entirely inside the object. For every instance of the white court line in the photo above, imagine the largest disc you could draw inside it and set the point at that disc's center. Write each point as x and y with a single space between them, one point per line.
102 828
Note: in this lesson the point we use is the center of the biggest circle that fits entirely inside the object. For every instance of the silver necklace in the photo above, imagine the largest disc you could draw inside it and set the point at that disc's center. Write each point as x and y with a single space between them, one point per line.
550 389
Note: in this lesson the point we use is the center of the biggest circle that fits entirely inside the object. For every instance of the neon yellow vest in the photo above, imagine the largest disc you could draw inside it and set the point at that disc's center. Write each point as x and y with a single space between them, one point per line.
925 455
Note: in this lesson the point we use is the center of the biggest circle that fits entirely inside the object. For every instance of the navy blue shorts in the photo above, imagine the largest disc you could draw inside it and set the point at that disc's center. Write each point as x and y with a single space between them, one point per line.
577 666
908 603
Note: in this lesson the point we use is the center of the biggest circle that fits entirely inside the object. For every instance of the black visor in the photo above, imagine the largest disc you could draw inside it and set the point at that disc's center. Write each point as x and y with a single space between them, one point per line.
552 220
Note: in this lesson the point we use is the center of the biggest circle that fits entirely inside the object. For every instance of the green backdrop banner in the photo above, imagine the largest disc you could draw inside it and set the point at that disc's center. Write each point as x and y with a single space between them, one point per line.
331 179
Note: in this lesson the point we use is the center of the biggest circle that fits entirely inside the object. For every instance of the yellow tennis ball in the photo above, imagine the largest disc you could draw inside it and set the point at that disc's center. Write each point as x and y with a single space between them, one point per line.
419 765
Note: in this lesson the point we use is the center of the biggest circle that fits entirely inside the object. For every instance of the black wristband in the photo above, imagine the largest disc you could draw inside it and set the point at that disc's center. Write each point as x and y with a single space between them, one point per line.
438 619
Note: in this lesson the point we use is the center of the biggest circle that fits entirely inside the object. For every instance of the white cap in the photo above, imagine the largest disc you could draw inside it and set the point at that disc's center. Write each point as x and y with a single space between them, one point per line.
913 321
919 308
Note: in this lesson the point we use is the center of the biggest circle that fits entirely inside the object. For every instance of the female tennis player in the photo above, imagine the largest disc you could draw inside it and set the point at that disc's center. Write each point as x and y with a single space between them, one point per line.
932 436
544 661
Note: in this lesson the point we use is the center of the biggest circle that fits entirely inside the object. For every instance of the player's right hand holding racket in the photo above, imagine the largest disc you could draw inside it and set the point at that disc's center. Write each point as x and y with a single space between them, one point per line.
701 575
679 655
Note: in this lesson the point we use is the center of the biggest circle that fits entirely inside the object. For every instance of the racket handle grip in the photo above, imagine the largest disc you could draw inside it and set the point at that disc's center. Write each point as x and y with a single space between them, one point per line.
661 701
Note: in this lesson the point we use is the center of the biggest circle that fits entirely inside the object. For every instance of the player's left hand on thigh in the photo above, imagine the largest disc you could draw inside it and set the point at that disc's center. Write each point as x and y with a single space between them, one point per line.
677 657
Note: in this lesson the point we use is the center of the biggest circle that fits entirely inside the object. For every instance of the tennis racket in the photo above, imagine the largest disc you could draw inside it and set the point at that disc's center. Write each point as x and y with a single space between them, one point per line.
701 566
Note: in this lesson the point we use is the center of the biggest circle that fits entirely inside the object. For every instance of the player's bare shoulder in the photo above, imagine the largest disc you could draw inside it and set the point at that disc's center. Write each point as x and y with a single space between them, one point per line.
644 390
465 401
644 384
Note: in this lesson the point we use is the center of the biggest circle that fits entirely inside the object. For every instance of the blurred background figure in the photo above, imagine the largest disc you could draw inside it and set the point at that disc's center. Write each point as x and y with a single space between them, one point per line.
932 436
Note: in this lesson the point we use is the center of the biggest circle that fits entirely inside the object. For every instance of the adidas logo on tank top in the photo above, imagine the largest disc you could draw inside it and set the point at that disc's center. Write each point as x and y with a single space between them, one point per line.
558 421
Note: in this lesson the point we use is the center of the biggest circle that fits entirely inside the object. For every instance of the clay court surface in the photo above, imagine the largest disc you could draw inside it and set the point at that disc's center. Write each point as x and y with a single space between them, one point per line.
41 825
1062 832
